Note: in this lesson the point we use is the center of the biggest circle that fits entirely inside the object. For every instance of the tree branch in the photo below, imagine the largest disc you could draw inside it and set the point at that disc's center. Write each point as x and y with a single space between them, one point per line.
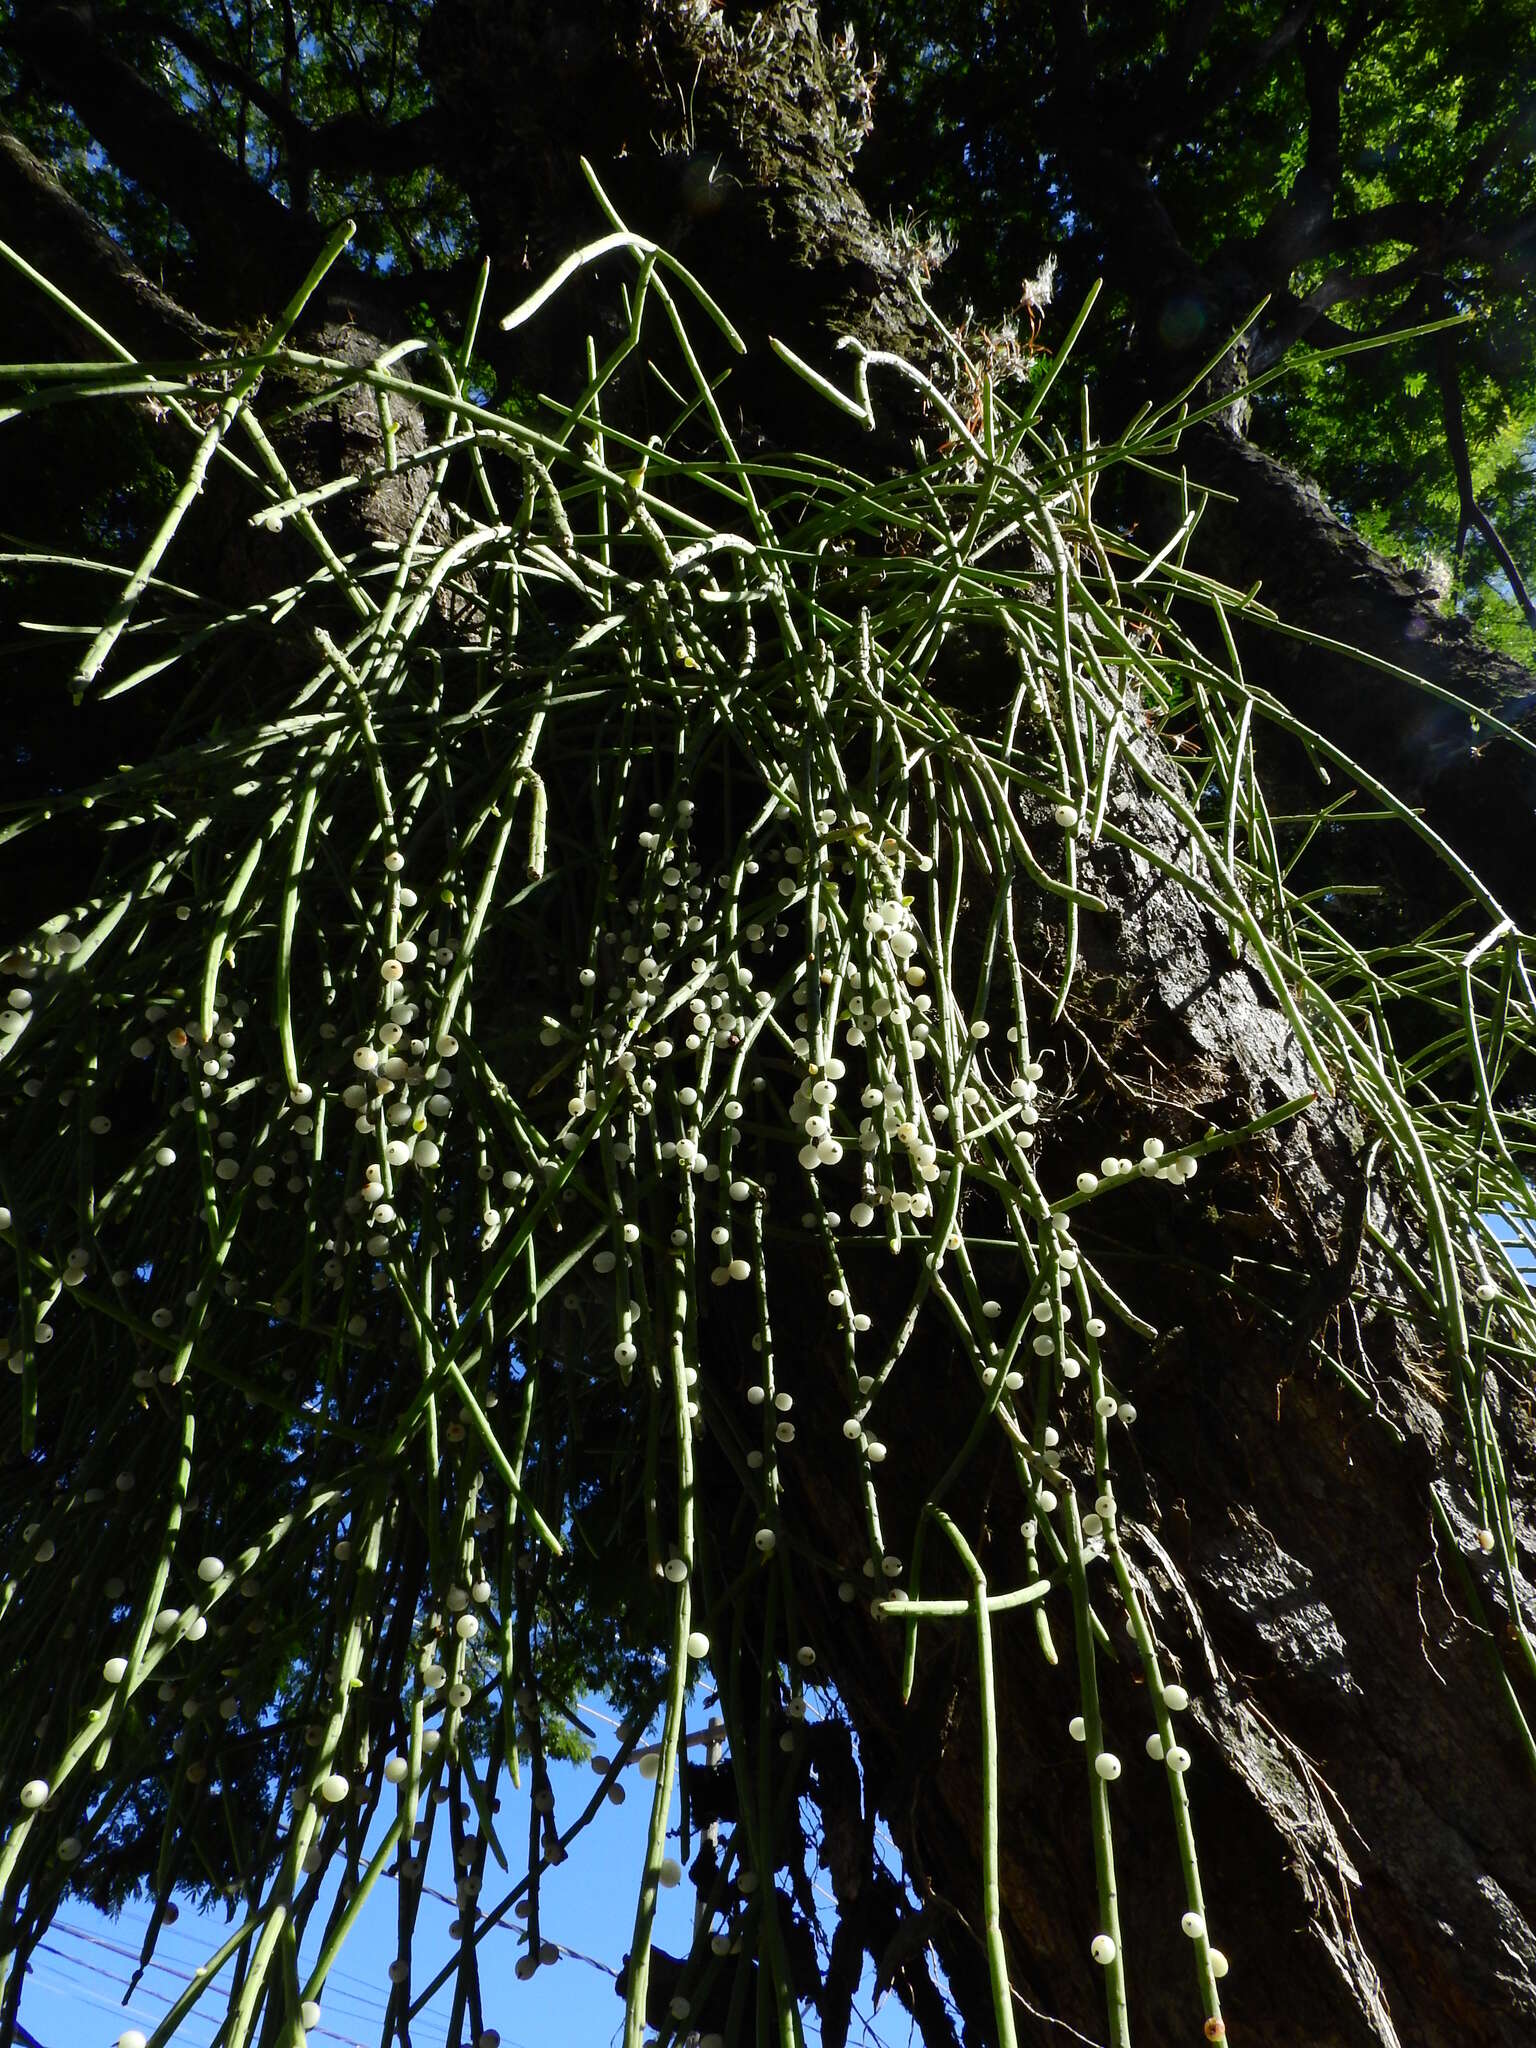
1189 109
247 243
1114 187
54 231
1400 220
344 143
358 139
1291 319
1485 159
1437 231
1192 31
225 71
1471 514
1494 245
1297 222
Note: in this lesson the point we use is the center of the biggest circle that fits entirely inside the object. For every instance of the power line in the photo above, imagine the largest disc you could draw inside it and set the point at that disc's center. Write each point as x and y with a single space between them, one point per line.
349 1986
172 1933
97 1970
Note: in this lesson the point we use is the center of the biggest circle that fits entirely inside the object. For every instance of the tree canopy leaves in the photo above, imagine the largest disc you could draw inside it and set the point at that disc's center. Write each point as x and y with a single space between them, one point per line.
1362 168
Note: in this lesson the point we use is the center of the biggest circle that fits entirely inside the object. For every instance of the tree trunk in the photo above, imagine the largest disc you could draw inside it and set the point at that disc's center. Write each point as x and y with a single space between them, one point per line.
733 149
1358 1792
1357 1789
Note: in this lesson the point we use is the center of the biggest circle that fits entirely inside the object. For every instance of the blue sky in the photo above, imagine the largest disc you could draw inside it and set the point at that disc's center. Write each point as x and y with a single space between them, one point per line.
73 1997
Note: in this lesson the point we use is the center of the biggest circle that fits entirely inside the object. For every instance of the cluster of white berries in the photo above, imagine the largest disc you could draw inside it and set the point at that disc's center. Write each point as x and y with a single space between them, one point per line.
1155 1163
1176 1758
798 962
701 997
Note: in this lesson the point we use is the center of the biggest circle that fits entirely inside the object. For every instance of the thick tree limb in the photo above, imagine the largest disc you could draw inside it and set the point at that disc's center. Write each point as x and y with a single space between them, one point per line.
250 250
358 141
1108 181
1320 575
1399 220
56 234
225 71
1436 231
1288 237
1485 159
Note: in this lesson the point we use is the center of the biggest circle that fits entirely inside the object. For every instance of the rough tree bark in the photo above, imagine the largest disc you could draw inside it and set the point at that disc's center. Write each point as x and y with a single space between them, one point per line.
1359 1797
1356 1793
1278 532
1292 1536
87 265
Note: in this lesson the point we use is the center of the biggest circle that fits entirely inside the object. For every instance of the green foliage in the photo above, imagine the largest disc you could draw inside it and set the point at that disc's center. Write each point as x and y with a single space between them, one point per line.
314 102
1015 147
636 915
